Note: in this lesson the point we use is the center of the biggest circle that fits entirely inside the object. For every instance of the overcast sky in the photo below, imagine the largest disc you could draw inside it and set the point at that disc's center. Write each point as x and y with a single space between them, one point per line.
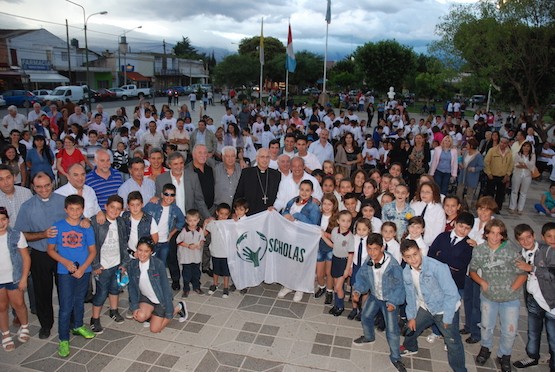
223 23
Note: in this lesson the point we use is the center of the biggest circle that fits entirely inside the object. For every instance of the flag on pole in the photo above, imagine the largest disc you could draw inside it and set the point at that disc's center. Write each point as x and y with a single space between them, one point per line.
328 13
261 47
290 61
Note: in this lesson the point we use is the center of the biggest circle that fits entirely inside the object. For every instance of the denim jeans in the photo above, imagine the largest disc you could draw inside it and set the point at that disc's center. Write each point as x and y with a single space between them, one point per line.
191 274
472 313
508 313
442 180
162 250
455 350
536 318
106 284
392 332
71 295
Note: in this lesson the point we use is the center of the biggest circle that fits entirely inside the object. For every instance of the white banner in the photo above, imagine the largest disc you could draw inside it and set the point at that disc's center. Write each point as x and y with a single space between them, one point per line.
268 248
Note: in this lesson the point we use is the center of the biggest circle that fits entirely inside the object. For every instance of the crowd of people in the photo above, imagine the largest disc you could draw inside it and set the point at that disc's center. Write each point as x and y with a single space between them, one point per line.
407 212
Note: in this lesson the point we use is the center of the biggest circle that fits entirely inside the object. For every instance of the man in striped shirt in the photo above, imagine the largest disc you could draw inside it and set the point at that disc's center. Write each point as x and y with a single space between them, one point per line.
104 180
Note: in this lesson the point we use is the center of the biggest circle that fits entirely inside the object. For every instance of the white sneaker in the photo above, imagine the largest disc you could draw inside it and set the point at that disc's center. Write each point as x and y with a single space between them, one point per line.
283 292
146 324
298 296
444 347
432 338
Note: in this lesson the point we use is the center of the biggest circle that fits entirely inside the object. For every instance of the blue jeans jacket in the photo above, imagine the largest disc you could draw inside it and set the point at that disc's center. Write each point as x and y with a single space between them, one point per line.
176 219
160 284
144 225
438 289
392 281
100 233
15 255
309 214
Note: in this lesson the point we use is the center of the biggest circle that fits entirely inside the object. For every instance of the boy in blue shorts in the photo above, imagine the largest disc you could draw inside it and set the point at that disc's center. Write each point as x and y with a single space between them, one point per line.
74 249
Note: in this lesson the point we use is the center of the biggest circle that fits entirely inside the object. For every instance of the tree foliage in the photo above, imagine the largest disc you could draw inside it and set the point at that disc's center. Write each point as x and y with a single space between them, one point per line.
237 70
512 46
386 63
184 49
272 47
345 75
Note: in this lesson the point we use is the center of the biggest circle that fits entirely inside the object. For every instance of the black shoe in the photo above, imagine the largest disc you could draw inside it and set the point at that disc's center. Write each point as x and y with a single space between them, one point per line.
332 310
338 312
352 314
44 333
243 291
525 363
329 298
505 362
399 365
185 294
176 286
362 341
232 288
463 332
199 291
116 316
320 292
471 340
96 327
359 316
483 356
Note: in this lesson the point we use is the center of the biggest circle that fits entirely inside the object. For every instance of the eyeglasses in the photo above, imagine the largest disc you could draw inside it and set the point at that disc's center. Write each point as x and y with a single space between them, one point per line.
168 194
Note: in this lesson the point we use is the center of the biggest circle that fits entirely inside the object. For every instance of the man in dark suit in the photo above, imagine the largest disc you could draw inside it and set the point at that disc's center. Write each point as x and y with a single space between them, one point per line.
188 196
259 185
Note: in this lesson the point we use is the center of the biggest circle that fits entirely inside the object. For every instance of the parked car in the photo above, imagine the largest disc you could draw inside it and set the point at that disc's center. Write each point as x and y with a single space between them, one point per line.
42 92
131 90
20 98
75 93
311 90
104 94
118 91
180 90
478 99
2 101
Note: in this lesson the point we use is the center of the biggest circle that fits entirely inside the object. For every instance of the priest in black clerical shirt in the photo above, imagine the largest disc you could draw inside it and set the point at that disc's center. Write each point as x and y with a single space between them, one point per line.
259 184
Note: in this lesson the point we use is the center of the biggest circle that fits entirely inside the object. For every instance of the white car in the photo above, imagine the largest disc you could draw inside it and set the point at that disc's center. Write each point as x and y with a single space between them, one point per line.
42 92
2 101
119 92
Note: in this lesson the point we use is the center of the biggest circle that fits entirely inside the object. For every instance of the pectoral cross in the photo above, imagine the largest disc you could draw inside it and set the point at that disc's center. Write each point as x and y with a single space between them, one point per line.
265 199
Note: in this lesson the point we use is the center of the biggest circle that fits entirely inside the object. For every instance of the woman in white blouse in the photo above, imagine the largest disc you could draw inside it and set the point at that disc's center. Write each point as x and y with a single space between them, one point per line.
427 203
524 163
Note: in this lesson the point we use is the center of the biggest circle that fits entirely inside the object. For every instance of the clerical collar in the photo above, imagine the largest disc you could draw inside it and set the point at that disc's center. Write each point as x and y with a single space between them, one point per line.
45 200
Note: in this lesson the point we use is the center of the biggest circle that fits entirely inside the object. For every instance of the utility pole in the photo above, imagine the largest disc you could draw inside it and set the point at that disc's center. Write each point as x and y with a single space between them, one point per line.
68 53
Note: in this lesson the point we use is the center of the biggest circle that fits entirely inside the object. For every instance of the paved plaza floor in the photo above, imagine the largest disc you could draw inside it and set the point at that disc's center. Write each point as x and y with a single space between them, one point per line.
252 332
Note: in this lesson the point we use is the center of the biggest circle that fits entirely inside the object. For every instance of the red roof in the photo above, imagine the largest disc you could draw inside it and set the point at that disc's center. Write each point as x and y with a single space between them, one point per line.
135 76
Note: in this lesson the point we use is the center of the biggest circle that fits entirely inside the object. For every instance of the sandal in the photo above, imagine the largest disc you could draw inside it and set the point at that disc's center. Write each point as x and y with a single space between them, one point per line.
23 333
7 342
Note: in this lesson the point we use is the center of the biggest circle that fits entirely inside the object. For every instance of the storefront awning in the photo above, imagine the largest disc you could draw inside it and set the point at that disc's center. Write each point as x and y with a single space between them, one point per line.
46 77
135 76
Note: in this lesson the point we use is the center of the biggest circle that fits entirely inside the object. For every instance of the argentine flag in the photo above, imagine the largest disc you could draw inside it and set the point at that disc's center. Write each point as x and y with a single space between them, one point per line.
290 61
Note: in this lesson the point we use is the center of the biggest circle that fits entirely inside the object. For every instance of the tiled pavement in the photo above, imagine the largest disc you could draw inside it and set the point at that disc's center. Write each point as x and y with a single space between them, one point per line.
252 332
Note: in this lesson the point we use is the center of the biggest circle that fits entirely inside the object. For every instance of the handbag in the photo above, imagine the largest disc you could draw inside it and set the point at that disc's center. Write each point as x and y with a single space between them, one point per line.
536 173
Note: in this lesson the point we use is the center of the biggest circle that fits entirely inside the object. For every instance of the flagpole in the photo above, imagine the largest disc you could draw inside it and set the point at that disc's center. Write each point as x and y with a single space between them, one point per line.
325 59
261 54
286 85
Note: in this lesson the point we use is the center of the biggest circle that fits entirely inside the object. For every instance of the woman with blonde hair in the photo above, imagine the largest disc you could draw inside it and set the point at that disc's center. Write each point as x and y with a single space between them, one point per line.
444 165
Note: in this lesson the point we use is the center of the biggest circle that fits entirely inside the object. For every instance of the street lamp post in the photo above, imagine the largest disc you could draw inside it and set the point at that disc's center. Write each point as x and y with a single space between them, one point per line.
124 53
85 20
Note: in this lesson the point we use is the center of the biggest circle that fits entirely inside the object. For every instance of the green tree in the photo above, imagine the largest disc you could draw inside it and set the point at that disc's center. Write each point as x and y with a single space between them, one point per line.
345 74
184 49
272 47
511 45
432 79
236 70
386 63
